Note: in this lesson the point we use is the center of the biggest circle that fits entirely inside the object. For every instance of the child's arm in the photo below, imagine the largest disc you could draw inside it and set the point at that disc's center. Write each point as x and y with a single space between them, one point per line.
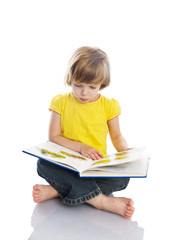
118 140
55 135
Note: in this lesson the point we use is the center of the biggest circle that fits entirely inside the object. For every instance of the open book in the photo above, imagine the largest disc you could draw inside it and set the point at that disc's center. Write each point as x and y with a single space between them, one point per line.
131 163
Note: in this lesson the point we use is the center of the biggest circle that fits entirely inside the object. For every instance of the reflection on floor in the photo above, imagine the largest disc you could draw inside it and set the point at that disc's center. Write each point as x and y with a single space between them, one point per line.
54 220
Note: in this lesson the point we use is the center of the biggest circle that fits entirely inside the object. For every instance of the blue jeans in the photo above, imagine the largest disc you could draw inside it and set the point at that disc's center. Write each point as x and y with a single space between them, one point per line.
74 190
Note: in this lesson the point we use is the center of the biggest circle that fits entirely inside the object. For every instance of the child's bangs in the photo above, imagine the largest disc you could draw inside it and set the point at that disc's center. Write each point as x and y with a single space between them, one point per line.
96 73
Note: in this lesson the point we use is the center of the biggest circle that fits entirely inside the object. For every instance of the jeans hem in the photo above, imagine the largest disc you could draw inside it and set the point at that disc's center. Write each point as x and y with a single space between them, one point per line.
82 199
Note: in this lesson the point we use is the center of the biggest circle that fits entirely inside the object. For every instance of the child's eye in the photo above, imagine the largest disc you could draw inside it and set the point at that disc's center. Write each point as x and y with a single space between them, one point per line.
77 85
92 87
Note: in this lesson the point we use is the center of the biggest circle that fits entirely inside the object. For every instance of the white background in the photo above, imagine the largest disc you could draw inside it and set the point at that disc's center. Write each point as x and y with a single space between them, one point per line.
37 40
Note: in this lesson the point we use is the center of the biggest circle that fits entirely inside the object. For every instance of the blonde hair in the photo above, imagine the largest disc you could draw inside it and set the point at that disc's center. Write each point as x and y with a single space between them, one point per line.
89 65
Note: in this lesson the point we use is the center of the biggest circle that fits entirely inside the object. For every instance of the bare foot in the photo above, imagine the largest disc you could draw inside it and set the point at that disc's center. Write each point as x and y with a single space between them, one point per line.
42 193
118 205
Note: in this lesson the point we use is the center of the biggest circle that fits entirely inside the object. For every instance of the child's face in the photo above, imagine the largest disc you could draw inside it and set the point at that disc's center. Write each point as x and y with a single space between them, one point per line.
84 92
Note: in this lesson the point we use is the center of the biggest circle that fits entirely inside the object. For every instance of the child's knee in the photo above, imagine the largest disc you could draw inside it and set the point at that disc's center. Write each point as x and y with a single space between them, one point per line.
125 182
42 167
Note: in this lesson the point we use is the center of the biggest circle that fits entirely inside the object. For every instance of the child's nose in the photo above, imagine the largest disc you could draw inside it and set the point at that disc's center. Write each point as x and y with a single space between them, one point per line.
84 91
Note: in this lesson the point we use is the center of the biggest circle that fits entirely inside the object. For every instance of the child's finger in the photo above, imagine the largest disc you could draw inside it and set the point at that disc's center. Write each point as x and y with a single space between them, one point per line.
90 155
97 155
94 156
100 155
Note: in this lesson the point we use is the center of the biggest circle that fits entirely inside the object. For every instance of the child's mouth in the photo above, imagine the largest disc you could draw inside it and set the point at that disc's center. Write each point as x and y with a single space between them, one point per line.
83 99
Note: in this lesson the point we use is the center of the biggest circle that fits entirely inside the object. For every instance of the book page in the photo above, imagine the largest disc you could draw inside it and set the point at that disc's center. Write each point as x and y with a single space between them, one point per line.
58 154
119 158
138 167
132 169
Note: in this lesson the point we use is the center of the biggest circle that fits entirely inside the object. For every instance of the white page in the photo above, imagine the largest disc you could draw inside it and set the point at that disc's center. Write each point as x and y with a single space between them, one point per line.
139 166
52 147
119 158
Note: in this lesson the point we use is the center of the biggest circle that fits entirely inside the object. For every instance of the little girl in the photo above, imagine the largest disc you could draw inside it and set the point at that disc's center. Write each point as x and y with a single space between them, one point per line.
80 121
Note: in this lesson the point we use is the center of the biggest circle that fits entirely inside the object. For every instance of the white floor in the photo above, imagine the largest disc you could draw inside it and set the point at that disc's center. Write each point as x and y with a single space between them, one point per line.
52 220
23 219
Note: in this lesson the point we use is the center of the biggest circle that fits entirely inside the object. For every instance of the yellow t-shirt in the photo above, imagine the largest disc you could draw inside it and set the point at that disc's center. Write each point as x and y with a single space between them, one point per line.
85 122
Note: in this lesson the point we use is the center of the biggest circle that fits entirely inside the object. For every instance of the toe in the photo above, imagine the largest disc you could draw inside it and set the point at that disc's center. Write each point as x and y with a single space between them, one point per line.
36 187
129 212
130 208
128 216
35 193
130 202
36 198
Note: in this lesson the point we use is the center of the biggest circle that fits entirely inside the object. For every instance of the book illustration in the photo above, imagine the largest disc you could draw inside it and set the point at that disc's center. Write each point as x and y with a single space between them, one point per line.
101 161
52 154
72 155
118 155
104 160
107 160
58 155
121 157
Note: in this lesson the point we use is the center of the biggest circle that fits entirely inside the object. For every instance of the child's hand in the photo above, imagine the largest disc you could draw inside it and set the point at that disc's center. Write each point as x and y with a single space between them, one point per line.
90 152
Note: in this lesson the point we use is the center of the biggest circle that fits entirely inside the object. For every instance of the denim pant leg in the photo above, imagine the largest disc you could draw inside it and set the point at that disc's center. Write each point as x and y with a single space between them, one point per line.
71 188
110 185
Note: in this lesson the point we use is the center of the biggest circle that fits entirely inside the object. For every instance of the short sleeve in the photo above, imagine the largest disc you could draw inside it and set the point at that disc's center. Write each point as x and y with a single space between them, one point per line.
56 104
113 109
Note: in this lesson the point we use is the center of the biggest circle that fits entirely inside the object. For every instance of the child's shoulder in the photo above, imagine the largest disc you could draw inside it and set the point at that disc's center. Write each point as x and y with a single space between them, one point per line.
111 106
59 102
61 96
108 101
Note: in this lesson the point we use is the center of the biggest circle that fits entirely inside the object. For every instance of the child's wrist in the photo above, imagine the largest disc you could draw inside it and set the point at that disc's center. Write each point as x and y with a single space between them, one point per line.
80 147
